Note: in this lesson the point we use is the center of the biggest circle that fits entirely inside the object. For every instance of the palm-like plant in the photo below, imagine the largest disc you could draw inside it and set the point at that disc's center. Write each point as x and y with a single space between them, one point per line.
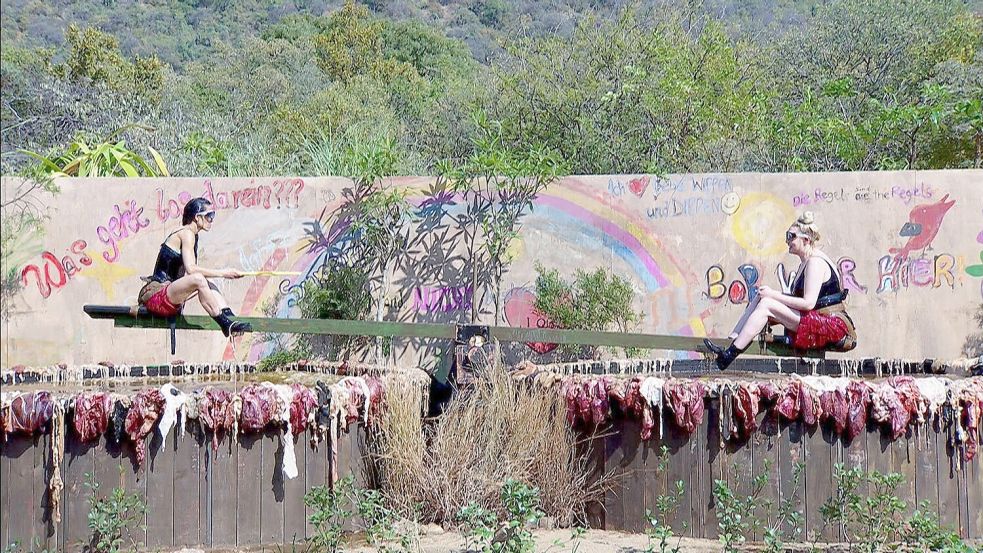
105 158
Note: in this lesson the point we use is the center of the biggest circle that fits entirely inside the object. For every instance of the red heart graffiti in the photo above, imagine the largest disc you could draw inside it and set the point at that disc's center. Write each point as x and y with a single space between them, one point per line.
638 186
520 311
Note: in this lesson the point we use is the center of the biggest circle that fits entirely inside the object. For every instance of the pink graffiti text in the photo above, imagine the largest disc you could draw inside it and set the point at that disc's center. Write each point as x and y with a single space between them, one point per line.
283 193
125 223
846 266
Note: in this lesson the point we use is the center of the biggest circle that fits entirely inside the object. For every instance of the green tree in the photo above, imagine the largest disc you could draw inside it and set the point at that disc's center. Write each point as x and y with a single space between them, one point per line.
596 300
94 56
877 84
633 95
499 183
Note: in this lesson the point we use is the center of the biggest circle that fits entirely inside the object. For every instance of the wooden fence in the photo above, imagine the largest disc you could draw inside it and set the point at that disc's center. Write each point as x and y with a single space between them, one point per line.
237 496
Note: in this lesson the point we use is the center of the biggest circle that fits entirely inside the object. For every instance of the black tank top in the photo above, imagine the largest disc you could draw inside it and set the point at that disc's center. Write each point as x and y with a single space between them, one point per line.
831 286
170 264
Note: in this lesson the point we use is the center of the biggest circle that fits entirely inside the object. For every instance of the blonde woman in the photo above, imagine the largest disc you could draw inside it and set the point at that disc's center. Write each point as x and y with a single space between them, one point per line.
797 312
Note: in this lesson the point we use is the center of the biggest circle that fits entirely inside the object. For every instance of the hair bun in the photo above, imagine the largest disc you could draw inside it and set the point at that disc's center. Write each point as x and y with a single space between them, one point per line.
807 218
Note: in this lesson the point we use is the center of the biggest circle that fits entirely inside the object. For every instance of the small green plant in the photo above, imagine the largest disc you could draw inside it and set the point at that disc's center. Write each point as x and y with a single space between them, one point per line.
521 504
775 535
482 527
865 506
924 532
338 291
105 158
331 508
112 518
737 517
576 534
660 533
477 525
207 151
378 519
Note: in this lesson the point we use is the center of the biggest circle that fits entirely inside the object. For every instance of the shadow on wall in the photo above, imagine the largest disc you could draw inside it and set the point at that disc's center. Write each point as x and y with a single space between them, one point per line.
974 341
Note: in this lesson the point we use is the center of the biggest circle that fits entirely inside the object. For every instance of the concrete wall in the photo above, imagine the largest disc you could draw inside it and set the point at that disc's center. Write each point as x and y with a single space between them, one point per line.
691 245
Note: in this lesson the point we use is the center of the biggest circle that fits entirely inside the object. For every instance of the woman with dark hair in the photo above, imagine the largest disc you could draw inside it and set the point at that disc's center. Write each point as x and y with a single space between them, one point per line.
813 311
178 277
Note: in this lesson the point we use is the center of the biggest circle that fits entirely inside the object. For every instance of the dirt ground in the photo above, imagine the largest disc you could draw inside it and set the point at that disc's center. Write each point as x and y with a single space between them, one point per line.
435 540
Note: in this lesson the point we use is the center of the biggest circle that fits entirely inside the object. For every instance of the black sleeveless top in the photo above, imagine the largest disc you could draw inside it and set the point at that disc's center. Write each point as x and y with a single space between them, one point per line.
831 286
170 264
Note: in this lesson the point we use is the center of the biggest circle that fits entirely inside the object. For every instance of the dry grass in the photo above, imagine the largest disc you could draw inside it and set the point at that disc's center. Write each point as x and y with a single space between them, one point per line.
500 429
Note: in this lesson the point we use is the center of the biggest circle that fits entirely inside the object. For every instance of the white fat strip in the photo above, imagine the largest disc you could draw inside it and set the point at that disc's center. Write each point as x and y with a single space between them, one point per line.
651 390
174 399
286 396
826 383
933 392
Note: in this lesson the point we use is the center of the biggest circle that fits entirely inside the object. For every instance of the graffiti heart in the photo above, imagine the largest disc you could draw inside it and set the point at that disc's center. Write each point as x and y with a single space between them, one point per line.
520 311
638 186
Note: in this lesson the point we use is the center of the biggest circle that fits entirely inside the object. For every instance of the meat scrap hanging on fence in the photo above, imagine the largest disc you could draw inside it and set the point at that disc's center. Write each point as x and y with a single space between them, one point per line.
845 404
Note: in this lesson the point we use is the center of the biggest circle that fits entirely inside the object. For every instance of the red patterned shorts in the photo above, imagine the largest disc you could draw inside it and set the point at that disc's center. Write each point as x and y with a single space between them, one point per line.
817 330
159 305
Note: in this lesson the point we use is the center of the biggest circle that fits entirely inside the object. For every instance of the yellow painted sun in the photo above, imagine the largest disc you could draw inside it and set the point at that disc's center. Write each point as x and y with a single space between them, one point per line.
759 225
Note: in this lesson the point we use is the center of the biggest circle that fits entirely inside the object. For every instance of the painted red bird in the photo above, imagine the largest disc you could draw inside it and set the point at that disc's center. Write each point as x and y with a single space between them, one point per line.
923 224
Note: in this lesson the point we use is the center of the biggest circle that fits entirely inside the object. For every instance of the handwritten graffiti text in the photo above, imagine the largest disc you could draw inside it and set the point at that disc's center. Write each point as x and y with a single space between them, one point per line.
431 300
57 273
282 193
120 226
895 273
738 291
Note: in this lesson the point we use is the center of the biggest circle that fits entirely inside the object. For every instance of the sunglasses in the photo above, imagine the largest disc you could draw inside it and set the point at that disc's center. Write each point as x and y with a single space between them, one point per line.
789 236
208 215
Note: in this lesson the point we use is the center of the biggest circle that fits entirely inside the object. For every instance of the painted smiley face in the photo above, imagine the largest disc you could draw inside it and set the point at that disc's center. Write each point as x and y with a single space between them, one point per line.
730 203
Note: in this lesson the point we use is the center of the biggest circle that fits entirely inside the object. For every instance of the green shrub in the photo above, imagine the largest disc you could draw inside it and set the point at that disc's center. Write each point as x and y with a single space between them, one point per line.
278 359
330 507
597 301
511 534
113 518
659 532
866 507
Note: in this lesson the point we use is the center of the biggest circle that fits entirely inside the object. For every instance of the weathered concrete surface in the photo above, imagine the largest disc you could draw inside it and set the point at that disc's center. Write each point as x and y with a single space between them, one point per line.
691 244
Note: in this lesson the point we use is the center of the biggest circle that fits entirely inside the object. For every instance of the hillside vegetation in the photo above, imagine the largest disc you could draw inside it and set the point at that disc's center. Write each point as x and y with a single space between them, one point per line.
309 87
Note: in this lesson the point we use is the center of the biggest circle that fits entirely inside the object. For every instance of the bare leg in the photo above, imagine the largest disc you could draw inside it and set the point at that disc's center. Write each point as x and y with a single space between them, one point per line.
744 317
182 289
766 309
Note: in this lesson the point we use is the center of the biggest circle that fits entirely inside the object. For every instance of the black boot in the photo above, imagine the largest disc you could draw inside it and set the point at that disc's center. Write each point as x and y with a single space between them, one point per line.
724 356
228 326
714 348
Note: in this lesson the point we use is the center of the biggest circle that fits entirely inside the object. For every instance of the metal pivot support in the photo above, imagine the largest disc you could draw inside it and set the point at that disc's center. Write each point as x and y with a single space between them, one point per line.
172 324
472 335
